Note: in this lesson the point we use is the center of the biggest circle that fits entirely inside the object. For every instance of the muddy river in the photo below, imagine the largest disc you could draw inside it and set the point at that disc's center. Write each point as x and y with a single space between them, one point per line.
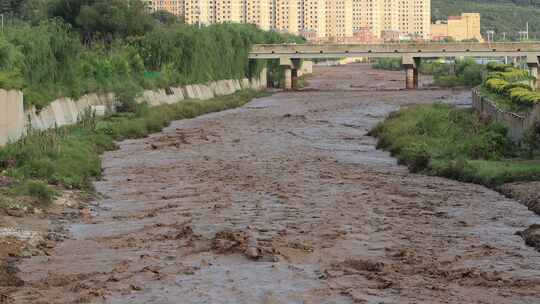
286 200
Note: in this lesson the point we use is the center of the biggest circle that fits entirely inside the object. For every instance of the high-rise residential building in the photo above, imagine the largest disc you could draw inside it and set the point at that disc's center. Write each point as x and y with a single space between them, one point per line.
334 20
197 12
286 16
407 17
228 11
314 18
368 14
339 18
173 6
256 12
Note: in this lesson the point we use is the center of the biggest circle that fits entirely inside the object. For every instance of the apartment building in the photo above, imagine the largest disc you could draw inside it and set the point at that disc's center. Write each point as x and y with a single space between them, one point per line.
321 20
256 12
197 12
339 19
287 17
173 6
314 19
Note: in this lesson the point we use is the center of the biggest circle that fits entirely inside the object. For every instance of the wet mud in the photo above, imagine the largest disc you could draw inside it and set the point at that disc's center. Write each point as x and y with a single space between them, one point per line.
286 200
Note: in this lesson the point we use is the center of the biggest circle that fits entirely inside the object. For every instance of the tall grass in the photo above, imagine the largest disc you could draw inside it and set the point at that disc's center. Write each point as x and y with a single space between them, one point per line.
455 143
48 60
391 64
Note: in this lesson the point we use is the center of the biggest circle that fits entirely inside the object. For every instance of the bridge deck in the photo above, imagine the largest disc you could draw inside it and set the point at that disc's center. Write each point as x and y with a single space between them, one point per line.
274 51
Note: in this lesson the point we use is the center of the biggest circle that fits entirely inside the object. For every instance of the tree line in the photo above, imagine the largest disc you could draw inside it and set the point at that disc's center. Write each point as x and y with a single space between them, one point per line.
75 47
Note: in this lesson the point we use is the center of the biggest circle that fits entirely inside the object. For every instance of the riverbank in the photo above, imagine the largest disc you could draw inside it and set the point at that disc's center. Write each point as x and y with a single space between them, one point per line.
452 142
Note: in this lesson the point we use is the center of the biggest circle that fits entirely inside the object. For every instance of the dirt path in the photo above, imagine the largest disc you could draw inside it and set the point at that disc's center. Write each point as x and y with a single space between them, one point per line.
286 200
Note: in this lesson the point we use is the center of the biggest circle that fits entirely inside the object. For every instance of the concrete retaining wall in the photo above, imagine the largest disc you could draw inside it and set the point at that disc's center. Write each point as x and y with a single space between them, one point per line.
12 122
15 121
517 124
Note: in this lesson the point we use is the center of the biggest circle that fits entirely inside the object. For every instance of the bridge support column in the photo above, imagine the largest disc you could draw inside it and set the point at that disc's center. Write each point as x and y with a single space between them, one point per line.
410 65
290 68
287 75
533 63
286 65
263 78
295 72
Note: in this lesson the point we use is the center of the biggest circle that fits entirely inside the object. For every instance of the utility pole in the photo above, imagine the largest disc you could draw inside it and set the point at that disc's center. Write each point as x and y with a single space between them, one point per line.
490 35
524 35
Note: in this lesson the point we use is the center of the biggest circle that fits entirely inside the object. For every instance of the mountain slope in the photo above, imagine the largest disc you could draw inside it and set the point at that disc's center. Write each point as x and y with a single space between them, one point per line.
501 16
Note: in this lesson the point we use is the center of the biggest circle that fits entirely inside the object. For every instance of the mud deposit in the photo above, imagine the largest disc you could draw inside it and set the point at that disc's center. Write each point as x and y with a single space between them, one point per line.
286 200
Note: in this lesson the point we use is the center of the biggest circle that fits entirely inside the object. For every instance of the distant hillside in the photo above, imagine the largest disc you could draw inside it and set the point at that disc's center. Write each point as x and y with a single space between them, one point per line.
501 16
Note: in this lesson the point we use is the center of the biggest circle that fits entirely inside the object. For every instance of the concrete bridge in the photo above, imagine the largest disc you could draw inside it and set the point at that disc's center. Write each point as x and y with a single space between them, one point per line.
291 55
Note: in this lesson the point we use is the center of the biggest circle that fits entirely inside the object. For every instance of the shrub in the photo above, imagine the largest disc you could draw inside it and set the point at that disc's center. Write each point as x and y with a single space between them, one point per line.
512 75
496 85
126 94
447 81
466 73
498 67
531 140
392 64
48 60
524 96
37 189
455 143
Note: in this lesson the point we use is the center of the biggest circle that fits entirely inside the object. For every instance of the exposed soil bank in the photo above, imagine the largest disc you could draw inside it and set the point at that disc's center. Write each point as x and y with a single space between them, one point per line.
286 200
527 193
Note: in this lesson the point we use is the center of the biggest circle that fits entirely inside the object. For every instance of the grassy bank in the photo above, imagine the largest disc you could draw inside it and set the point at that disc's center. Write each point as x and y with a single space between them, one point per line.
451 142
33 169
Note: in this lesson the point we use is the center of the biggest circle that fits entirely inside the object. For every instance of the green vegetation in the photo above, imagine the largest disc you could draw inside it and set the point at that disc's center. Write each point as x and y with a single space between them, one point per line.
500 16
455 143
391 64
509 87
303 81
68 158
86 46
464 72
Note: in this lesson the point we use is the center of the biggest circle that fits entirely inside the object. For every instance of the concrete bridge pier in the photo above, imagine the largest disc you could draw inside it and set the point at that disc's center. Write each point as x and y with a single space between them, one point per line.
290 68
286 65
533 62
411 65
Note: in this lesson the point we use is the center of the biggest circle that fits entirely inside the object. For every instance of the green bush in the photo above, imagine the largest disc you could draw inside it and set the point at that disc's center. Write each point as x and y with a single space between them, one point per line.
496 85
531 140
511 75
447 81
524 96
435 68
392 64
509 83
48 60
37 189
498 67
451 142
466 72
